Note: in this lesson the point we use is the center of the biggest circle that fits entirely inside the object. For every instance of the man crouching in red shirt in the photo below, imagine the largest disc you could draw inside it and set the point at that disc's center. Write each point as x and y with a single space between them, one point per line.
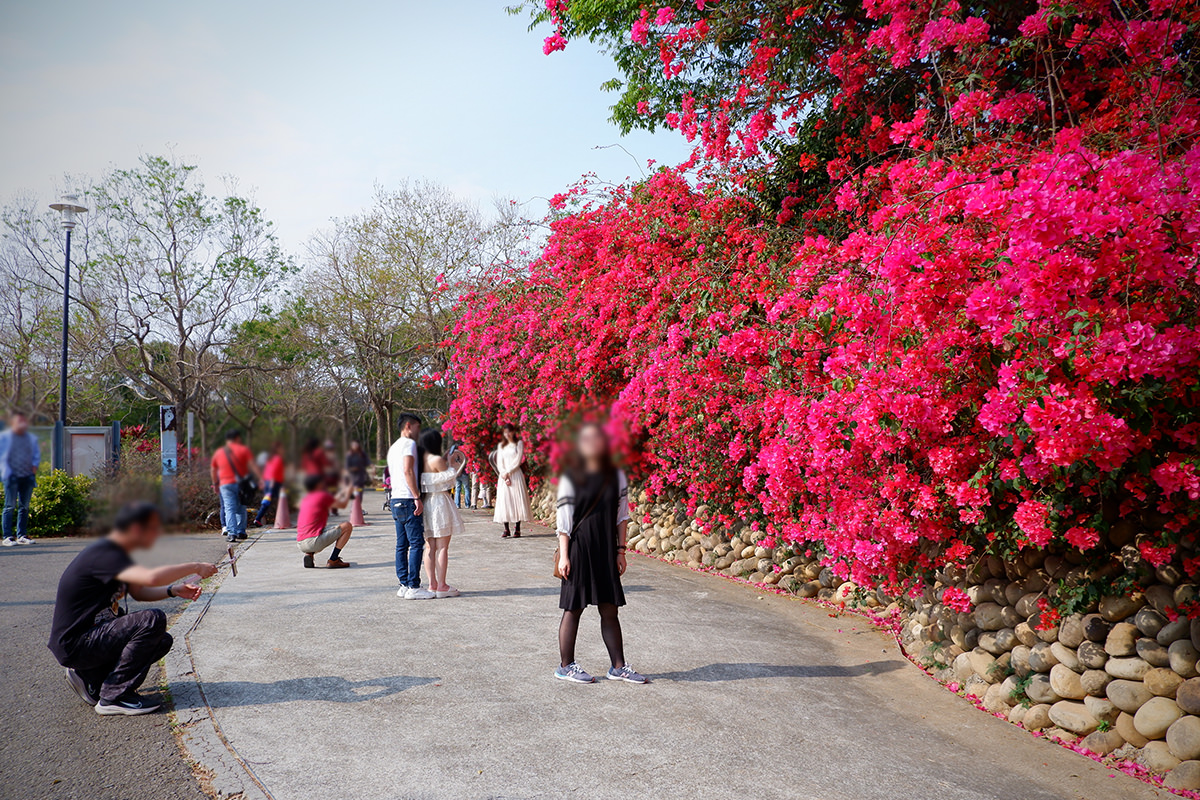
313 533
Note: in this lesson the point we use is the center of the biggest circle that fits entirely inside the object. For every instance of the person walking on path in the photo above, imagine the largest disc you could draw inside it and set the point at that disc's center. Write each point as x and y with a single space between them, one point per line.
274 473
592 517
357 462
438 477
230 465
407 508
19 459
106 649
313 531
512 497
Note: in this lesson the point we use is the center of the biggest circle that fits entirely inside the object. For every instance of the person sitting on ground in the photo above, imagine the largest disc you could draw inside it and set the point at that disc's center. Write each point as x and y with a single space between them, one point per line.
106 649
313 531
441 517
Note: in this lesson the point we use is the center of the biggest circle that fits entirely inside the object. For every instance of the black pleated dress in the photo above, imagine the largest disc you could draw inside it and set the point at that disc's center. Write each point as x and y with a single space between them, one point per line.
594 577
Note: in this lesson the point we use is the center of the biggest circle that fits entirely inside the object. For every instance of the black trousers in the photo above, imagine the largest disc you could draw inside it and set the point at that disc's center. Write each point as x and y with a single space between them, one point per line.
116 655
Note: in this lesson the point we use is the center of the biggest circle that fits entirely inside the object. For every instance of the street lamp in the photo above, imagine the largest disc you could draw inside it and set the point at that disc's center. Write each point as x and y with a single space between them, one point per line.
68 207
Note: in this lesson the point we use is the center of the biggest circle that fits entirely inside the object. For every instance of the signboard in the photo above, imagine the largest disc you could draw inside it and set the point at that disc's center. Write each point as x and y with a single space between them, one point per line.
170 445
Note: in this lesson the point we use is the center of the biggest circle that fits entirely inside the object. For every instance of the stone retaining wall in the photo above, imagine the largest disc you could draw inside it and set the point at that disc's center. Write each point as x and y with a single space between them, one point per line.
1118 679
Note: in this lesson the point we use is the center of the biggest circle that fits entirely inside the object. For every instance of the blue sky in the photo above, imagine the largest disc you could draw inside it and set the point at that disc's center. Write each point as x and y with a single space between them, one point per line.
307 104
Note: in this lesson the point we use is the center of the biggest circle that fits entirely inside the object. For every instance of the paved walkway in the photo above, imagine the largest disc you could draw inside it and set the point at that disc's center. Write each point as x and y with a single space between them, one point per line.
325 685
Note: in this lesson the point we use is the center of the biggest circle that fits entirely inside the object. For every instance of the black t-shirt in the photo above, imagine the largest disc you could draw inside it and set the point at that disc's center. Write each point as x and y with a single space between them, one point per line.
87 590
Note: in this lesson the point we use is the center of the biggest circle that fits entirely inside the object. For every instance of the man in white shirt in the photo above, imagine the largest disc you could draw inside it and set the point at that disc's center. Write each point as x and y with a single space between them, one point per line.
406 509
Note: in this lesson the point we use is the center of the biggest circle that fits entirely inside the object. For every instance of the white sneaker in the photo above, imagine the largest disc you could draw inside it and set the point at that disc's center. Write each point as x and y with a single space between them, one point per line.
419 594
8 542
402 592
450 592
24 540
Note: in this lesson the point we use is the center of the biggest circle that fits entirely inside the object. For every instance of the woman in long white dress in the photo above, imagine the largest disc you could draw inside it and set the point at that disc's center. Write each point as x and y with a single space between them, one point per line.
441 517
512 497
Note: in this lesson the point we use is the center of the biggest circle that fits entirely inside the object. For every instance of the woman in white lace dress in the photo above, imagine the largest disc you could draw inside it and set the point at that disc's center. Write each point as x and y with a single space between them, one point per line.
441 517
512 498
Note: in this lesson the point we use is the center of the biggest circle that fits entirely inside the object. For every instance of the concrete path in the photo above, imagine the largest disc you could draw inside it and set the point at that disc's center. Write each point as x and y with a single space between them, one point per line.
325 685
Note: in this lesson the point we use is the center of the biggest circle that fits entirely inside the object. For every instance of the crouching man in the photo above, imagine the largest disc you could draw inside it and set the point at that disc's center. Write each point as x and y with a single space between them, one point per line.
106 649
313 531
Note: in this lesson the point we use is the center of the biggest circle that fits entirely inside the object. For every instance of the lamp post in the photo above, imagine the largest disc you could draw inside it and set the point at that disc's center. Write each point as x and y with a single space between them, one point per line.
68 207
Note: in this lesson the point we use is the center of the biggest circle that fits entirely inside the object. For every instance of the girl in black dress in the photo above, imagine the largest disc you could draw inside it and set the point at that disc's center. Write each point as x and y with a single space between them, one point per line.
593 512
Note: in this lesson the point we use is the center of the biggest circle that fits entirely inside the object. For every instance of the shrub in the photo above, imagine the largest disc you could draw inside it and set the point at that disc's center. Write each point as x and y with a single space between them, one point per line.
61 504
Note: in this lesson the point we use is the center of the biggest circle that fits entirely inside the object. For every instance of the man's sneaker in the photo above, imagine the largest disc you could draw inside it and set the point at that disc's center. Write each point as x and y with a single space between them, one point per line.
88 694
24 540
450 591
129 705
308 561
402 592
243 536
574 673
418 593
231 539
627 674
10 542
337 563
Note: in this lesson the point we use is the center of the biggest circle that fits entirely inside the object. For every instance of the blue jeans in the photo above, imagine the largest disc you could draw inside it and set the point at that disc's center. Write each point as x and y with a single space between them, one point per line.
234 513
17 491
462 490
410 542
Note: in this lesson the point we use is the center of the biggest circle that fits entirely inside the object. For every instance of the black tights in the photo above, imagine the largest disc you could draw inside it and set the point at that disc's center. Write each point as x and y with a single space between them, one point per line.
610 630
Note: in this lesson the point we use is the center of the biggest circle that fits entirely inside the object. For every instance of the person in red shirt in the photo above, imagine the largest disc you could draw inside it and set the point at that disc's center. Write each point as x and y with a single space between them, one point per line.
313 531
314 460
231 463
273 475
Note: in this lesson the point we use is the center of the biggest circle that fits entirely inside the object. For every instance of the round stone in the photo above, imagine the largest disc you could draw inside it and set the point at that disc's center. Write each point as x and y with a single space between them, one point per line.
1184 776
1016 714
1162 682
1065 682
1041 657
1130 669
1188 696
1026 634
1174 631
1149 621
1157 758
1157 715
1124 726
1122 640
1153 653
1094 681
1128 696
1074 717
1065 655
1091 655
1102 709
1183 657
1019 660
1037 717
1039 690
1183 738
996 698
989 616
1095 628
1118 608
1027 605
1102 742
981 664
1070 632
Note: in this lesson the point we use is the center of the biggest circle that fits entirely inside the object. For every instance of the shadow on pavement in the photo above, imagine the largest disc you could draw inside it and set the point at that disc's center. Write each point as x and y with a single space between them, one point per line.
536 591
740 672
229 694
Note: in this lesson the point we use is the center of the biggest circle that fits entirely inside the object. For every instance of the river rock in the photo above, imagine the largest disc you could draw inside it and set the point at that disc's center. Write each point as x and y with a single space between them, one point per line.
1115 609
1095 627
990 616
1065 682
1026 606
1188 696
1149 621
1095 681
1196 632
1183 656
1183 738
1124 726
1157 758
991 641
1162 682
809 589
1174 632
1102 709
1130 669
1128 696
1153 653
1016 714
1157 715
996 699
1091 655
1074 717
1066 656
1184 776
1041 658
1037 717
1019 660
982 663
1026 634
1039 690
1102 742
1070 631
1122 640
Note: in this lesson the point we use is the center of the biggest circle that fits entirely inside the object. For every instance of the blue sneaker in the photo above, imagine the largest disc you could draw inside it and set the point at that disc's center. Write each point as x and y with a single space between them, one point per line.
574 673
627 674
